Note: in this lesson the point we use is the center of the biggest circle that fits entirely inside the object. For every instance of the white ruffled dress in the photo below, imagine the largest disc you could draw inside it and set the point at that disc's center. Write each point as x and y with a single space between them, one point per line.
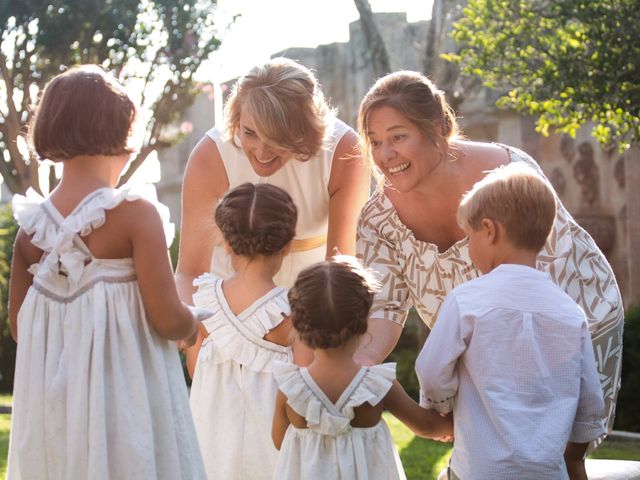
330 448
98 394
233 390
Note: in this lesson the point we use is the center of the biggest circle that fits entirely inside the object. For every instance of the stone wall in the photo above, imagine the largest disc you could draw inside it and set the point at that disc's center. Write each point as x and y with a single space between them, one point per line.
589 181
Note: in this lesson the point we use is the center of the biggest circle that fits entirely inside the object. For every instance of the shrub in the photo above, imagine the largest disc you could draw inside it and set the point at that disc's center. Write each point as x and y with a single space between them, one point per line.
627 411
8 230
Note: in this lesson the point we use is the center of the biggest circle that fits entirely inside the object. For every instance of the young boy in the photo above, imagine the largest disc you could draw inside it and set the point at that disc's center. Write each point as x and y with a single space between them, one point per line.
511 354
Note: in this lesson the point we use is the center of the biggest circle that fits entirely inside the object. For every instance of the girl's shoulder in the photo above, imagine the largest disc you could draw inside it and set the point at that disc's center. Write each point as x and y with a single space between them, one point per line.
370 385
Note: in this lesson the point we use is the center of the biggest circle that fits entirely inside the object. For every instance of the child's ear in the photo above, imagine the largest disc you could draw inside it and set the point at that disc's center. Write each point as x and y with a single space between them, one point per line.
491 229
227 247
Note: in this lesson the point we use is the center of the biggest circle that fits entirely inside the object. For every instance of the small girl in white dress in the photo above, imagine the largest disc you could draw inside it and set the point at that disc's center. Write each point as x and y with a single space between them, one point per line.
327 421
233 390
99 390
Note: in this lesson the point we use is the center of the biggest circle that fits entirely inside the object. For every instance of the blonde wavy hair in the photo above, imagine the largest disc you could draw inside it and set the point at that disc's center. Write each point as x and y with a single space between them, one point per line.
287 105
419 100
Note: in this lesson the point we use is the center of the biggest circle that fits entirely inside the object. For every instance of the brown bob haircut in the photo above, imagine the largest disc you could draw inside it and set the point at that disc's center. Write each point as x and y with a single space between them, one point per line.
518 198
83 111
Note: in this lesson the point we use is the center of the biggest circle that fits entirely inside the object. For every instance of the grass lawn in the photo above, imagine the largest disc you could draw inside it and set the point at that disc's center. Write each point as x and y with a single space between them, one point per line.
5 424
422 459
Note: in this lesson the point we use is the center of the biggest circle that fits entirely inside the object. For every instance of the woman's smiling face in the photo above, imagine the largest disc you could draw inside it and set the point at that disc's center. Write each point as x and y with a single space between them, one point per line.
403 153
265 159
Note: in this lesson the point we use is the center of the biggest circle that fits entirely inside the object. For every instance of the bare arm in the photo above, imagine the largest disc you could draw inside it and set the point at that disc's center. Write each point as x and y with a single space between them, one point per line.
379 341
423 422
20 279
348 191
191 360
168 316
280 420
205 181
574 459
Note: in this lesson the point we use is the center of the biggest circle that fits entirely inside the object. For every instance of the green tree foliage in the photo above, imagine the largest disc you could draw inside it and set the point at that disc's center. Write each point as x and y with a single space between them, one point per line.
8 230
566 62
153 46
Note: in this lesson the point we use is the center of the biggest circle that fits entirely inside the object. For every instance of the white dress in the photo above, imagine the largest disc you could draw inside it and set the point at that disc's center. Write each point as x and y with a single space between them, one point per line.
307 183
98 394
330 448
233 390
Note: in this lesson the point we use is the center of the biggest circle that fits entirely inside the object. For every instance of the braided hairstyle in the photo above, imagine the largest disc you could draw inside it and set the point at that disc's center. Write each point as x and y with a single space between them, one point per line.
257 219
330 302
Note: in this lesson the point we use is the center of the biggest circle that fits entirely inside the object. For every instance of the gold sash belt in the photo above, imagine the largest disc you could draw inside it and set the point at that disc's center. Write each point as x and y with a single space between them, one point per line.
304 244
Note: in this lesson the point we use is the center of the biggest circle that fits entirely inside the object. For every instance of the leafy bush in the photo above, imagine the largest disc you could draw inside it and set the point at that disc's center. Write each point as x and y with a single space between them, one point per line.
627 411
8 230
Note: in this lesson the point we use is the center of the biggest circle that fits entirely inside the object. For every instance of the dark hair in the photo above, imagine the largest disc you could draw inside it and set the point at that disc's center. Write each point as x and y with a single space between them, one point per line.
330 301
83 111
257 219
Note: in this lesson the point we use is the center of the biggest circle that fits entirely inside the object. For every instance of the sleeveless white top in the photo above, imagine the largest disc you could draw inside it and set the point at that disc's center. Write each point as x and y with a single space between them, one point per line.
307 183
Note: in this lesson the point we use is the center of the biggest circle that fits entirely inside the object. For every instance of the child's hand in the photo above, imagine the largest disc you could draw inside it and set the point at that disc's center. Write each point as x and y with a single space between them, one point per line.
448 426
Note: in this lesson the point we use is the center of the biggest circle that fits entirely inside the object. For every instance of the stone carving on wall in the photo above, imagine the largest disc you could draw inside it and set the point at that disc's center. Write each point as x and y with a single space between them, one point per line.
568 148
618 171
558 181
586 174
601 226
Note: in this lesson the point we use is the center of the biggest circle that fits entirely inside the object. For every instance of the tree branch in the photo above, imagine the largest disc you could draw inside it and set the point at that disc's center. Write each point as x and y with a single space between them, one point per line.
379 57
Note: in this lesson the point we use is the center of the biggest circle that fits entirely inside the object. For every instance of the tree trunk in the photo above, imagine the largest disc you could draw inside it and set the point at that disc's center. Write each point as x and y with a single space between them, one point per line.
632 189
379 57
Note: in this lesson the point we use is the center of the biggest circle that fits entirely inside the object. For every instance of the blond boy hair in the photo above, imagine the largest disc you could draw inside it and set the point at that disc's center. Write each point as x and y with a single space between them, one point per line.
518 198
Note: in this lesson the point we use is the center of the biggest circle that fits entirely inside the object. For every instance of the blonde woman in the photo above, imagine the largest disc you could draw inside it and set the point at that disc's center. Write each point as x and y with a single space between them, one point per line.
279 130
408 230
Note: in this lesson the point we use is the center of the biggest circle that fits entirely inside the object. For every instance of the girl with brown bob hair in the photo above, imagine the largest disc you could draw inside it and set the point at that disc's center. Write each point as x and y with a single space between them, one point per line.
83 112
93 304
233 392
327 420
409 234
279 129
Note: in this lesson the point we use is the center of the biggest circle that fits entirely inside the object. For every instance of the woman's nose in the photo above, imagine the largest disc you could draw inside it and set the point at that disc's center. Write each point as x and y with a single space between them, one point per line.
388 152
263 151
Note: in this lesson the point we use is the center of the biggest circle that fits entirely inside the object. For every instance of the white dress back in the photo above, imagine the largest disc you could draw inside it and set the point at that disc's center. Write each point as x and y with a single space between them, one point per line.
98 394
330 447
233 390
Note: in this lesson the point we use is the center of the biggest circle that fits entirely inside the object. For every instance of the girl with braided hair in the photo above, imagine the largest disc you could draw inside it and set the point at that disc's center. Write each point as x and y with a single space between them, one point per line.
233 391
327 421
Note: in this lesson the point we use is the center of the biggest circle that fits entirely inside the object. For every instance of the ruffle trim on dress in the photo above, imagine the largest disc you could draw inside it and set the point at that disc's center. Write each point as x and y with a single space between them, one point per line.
57 235
370 385
237 340
32 219
88 215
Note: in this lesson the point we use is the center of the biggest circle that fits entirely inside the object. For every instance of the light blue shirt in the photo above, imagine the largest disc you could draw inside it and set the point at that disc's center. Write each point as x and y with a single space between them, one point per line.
511 355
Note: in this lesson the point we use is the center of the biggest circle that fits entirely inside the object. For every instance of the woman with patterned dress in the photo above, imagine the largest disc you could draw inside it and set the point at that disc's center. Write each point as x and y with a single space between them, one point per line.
408 231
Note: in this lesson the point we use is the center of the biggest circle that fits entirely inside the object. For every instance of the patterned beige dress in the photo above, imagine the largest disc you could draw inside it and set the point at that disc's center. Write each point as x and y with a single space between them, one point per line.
414 273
